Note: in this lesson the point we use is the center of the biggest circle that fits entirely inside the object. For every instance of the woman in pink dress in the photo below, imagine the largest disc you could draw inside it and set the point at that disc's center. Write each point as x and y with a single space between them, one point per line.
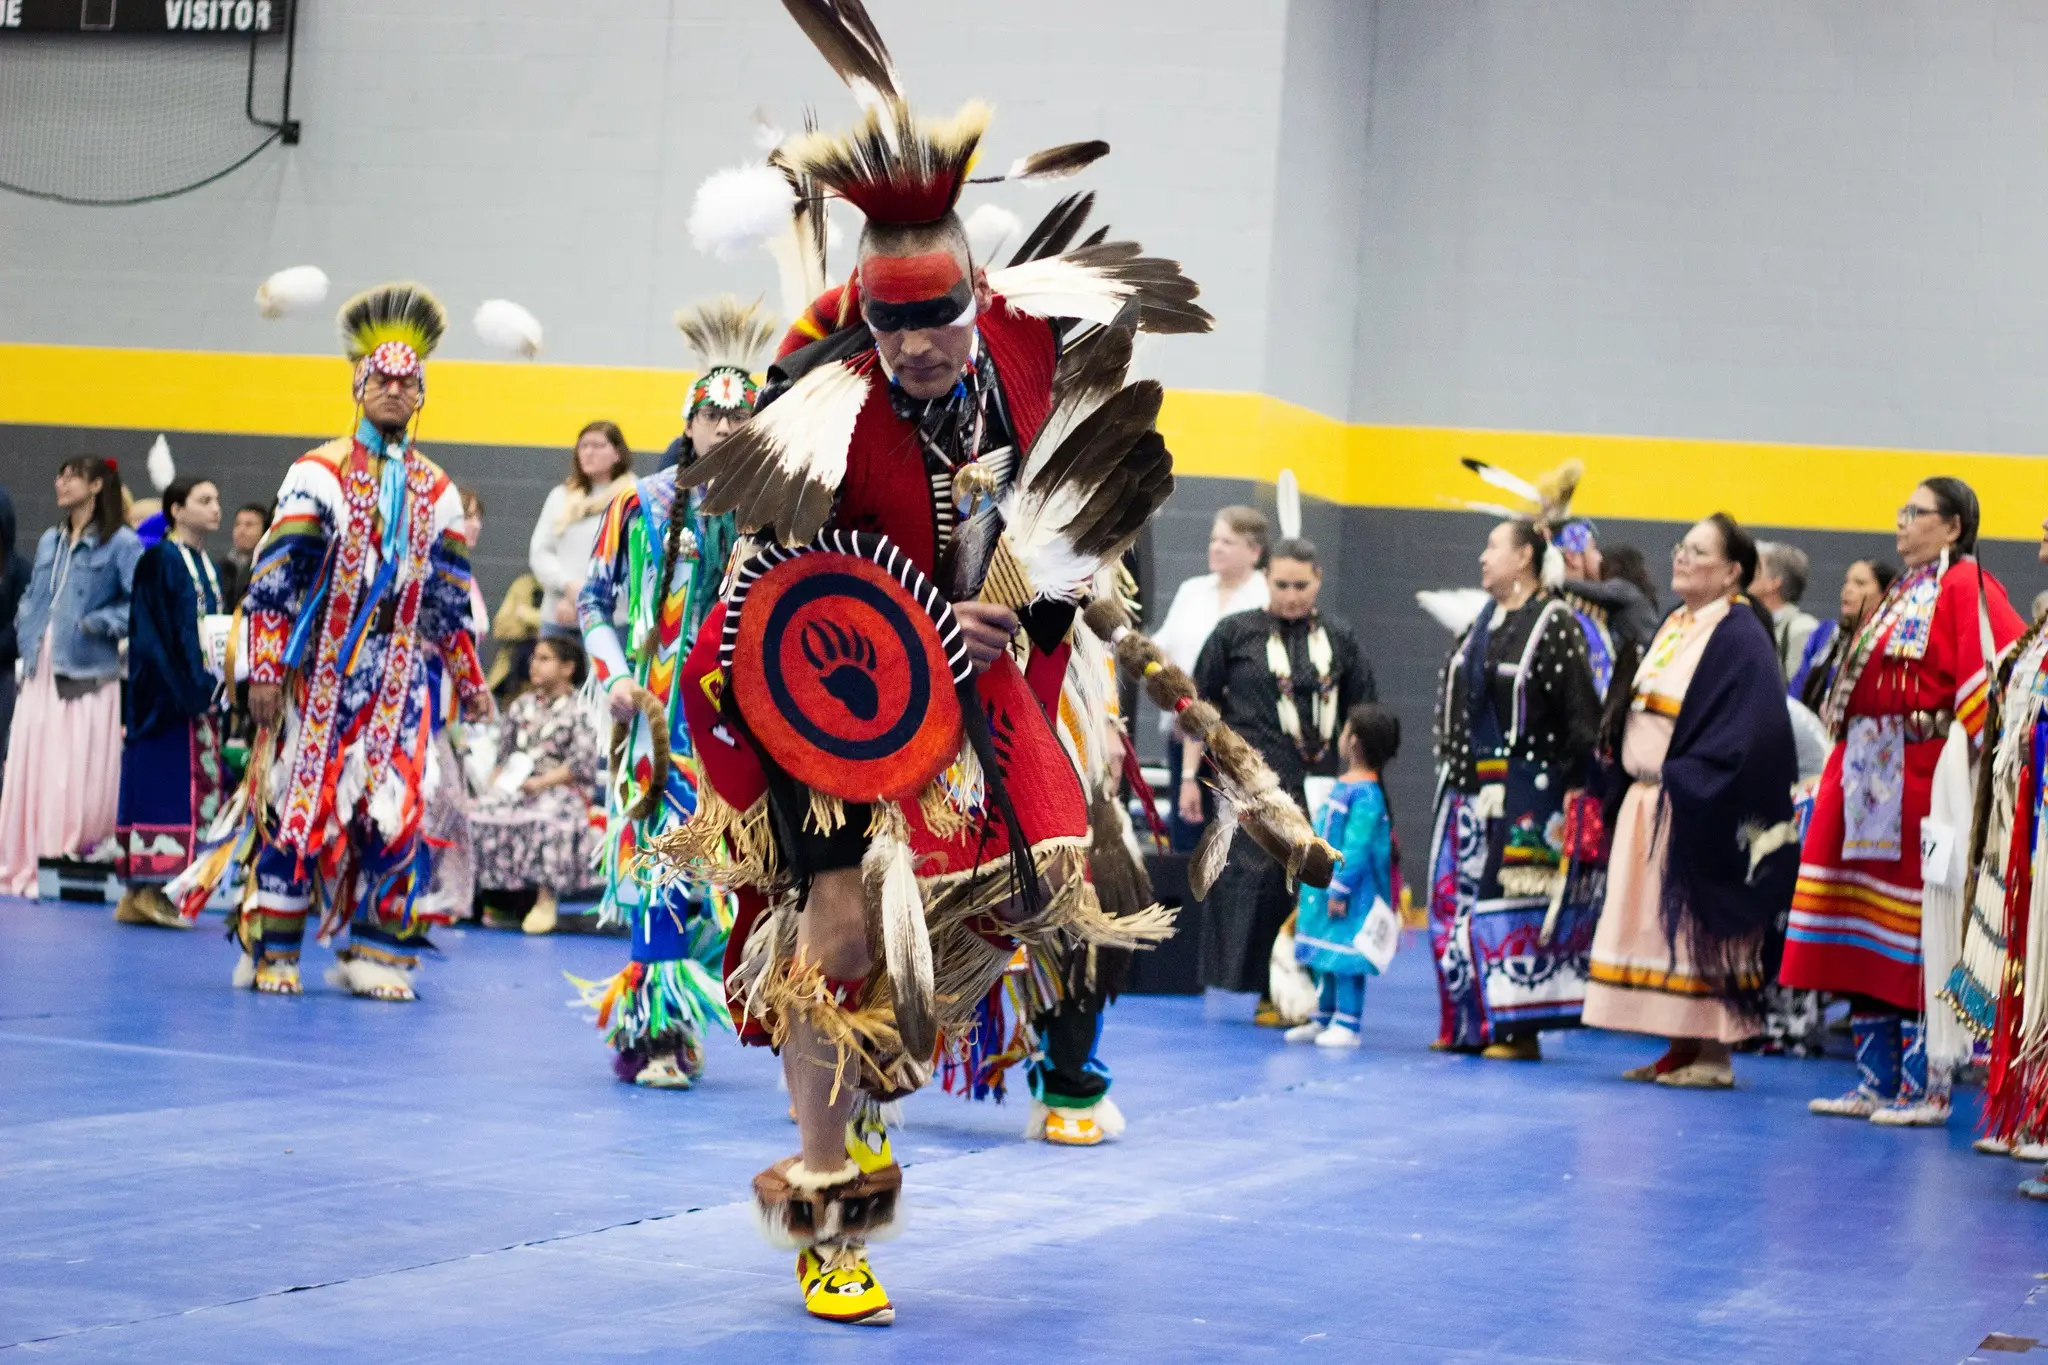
63 776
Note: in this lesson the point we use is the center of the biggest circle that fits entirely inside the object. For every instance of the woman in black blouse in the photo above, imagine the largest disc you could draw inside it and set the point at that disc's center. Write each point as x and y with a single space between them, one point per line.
1283 677
1518 716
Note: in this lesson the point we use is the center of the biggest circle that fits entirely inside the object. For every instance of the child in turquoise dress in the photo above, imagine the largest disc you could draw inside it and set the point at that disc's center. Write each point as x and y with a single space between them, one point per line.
1356 822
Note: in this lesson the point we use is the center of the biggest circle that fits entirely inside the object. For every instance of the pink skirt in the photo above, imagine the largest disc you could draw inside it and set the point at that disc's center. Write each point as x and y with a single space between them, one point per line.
63 782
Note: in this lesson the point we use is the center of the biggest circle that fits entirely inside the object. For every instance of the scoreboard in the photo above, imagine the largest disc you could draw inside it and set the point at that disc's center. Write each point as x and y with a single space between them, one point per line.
197 18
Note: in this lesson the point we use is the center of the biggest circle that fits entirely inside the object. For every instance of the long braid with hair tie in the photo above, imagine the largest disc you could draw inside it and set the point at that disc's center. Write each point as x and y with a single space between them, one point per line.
672 543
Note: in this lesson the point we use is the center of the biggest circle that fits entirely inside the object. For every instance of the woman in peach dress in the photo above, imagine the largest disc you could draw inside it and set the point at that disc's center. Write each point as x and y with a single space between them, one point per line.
1704 851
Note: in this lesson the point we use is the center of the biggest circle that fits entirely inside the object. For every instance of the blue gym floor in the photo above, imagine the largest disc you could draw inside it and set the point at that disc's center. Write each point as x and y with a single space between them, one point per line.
193 1173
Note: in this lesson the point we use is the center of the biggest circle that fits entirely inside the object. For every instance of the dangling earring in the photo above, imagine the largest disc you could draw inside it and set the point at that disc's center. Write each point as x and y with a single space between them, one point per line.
1943 571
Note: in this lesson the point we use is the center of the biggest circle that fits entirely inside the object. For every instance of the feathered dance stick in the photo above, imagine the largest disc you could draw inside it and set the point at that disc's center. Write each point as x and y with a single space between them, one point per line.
1248 793
646 800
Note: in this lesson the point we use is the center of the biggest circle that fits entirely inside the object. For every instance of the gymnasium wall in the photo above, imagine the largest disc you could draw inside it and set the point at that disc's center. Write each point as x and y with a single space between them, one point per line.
1813 221
548 152
1777 256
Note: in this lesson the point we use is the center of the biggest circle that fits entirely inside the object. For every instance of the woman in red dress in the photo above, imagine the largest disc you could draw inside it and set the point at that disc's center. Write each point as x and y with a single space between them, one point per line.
1915 670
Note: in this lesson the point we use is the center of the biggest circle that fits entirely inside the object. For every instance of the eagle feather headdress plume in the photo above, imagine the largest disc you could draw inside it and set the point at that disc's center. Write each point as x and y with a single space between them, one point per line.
725 333
392 312
1549 498
1090 479
893 166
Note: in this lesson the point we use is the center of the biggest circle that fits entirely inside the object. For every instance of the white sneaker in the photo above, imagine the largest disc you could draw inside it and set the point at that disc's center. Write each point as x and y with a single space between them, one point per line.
1336 1035
2030 1151
1303 1033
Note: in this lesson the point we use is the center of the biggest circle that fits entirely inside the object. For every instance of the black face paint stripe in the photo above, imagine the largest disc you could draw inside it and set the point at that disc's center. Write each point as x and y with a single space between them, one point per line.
920 316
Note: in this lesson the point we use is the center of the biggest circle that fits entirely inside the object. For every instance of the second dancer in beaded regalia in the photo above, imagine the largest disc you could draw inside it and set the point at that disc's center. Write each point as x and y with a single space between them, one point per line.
654 574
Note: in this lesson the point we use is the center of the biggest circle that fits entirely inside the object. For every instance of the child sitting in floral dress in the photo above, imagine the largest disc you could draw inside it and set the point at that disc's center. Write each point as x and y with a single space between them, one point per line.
533 828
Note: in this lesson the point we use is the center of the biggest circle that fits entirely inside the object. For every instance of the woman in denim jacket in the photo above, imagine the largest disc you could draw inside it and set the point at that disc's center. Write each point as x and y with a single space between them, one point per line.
64 770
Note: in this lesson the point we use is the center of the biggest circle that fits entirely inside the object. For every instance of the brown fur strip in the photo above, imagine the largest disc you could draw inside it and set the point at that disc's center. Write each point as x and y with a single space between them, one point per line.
795 1206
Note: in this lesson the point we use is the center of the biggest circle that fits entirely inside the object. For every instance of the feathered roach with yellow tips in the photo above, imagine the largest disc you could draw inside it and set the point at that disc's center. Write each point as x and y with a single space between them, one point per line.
392 312
894 167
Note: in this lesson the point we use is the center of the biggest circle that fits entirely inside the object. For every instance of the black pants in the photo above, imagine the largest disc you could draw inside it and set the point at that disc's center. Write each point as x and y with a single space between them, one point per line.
1070 1076
1242 917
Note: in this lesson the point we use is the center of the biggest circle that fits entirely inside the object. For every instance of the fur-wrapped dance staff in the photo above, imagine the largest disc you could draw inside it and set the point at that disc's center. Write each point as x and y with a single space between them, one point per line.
1247 792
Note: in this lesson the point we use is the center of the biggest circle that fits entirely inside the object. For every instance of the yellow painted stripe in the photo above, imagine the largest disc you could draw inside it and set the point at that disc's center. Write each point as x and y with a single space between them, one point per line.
1235 435
1831 488
468 401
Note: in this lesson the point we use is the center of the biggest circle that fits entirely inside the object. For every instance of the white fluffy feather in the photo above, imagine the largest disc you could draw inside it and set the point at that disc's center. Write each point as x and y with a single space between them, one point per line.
990 228
1490 509
162 470
1056 287
740 208
1034 525
796 272
290 290
1501 479
504 326
1454 608
1288 497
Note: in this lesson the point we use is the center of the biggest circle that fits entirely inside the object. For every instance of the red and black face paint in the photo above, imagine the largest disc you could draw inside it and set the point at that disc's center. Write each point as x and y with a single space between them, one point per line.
915 293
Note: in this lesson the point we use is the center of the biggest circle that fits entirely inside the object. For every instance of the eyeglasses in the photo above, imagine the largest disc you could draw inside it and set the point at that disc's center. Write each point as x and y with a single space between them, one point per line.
1686 552
1910 514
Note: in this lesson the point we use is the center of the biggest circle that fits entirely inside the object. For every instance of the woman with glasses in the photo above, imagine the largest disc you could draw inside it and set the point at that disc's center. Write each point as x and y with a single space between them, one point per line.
1518 715
1704 849
1913 675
